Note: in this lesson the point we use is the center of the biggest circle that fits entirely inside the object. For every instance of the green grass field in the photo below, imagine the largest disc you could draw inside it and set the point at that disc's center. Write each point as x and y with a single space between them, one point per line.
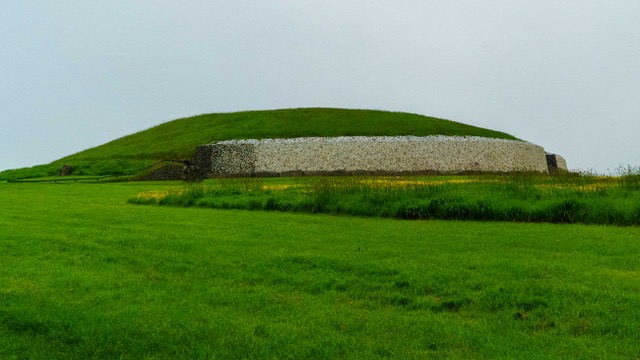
87 275
178 139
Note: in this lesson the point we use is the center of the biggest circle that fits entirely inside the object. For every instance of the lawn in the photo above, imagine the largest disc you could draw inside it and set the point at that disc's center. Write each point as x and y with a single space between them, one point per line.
85 274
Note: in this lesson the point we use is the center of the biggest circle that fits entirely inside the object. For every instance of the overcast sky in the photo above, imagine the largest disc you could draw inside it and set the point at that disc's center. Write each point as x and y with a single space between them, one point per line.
561 74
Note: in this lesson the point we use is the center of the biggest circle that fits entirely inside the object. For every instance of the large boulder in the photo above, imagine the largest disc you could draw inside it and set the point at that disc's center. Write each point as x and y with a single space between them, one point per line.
556 164
65 170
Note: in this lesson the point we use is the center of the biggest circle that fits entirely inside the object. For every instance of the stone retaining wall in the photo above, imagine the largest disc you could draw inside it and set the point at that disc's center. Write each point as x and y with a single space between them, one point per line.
164 172
398 154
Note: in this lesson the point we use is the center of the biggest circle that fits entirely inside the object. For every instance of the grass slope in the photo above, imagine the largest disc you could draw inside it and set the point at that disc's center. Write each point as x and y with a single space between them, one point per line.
178 138
87 276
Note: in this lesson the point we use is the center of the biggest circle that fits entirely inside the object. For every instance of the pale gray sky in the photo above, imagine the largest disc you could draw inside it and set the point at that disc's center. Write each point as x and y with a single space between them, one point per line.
561 74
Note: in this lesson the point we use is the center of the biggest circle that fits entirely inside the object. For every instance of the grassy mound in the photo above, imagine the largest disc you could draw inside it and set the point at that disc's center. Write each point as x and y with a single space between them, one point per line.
178 138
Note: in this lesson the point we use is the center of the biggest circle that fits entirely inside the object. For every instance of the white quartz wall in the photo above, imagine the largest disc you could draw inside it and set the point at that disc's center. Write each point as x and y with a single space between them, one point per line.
445 154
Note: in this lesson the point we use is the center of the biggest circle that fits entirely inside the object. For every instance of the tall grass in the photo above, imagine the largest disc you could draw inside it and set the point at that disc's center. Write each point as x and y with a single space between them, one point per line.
521 198
630 176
